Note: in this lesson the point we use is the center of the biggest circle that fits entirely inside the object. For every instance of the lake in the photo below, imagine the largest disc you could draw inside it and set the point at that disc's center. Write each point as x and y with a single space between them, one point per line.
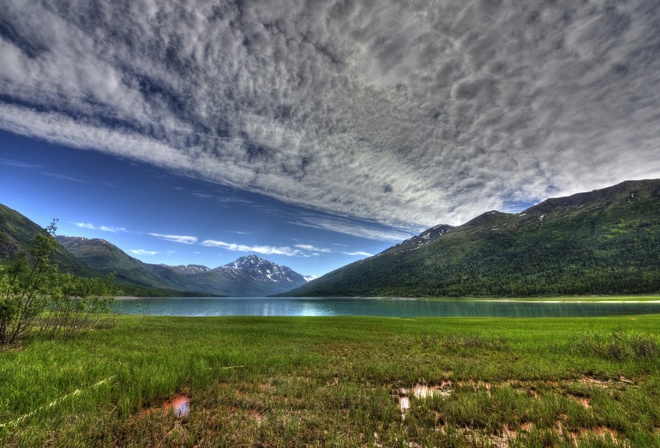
305 306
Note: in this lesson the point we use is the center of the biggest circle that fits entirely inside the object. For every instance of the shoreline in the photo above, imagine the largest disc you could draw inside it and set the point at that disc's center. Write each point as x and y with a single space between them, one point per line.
614 299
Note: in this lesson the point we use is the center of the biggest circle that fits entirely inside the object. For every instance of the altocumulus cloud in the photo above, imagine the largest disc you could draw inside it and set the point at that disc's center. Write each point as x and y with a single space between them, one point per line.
406 113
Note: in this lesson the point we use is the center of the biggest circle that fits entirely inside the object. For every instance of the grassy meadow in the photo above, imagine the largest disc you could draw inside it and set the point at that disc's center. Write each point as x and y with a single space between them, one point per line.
338 381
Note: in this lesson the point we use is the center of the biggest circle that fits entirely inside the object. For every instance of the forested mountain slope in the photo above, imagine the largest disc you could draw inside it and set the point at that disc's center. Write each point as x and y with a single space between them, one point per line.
17 234
601 242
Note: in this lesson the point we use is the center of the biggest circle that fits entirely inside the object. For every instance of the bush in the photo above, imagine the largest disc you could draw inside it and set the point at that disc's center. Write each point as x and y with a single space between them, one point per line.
35 297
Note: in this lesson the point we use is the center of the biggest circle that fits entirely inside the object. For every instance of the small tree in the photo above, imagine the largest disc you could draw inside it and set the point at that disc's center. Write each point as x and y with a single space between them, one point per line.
76 306
25 286
35 297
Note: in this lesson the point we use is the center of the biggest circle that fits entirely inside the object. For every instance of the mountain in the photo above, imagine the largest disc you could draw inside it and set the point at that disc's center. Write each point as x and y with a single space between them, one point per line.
92 257
247 276
17 234
260 269
107 258
600 242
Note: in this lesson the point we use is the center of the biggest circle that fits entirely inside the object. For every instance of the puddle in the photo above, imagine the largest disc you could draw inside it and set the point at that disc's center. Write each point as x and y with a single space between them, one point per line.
422 391
180 406
404 403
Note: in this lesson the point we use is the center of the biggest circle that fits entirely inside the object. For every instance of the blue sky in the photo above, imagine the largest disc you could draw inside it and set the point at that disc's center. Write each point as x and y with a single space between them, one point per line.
315 133
160 216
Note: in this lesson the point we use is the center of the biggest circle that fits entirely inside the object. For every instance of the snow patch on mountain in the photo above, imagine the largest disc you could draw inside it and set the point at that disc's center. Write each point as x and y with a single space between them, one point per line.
265 270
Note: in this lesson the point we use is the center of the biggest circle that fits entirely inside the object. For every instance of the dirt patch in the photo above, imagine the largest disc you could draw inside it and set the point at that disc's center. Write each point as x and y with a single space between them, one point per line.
584 401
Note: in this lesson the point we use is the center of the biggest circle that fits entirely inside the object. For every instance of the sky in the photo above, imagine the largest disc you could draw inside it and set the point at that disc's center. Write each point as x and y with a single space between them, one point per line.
315 133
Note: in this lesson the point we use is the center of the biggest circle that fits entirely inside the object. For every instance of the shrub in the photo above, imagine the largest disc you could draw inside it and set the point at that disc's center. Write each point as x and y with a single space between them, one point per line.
35 297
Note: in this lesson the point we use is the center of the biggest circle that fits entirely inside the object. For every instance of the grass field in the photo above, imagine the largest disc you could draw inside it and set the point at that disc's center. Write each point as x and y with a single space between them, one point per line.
340 381
595 298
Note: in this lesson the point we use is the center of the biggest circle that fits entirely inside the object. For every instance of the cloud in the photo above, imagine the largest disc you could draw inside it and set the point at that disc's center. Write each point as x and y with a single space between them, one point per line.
352 227
358 254
202 195
175 238
144 252
310 248
406 114
239 232
86 225
264 250
68 178
315 251
19 164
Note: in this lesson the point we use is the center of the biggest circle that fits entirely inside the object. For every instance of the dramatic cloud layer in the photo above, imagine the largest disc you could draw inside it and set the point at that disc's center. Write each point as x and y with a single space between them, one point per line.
405 113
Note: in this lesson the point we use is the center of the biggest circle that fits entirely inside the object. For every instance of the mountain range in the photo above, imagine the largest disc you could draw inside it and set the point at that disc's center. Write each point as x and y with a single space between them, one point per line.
247 276
600 242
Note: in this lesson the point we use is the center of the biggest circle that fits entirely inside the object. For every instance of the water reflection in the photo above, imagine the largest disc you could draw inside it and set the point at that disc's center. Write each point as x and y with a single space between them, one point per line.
287 306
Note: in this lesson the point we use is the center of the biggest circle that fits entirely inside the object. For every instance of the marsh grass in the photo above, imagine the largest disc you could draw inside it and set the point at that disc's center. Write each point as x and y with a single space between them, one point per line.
336 382
620 346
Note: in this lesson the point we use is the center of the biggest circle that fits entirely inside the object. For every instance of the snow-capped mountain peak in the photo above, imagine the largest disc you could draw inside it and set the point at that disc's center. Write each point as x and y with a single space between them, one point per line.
265 270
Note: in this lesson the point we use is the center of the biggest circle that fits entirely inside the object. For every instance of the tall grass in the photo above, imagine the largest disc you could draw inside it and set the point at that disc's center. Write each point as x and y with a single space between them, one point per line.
620 346
336 382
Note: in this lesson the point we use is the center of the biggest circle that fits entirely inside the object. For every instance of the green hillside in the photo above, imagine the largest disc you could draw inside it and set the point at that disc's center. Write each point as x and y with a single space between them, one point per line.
108 258
17 234
602 242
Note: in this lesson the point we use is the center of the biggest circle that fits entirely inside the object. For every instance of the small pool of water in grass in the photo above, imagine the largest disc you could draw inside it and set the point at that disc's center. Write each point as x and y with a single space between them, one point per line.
303 306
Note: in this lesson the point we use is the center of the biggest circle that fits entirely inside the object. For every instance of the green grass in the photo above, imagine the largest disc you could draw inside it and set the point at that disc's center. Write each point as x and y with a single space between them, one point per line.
336 382
593 298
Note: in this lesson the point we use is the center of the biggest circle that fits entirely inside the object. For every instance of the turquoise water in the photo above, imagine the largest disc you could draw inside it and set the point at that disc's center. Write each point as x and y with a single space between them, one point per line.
299 306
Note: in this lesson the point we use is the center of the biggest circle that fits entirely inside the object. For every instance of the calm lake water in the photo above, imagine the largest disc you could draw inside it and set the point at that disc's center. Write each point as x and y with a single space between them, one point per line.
297 306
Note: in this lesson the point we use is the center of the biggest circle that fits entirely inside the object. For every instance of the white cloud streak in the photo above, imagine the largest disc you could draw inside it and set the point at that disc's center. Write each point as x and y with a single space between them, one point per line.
358 254
144 252
409 114
175 238
86 225
67 178
264 250
352 227
18 164
311 248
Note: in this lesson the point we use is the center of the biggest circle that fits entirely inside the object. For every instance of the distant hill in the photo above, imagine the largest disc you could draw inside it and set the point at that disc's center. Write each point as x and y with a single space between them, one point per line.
601 242
247 276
